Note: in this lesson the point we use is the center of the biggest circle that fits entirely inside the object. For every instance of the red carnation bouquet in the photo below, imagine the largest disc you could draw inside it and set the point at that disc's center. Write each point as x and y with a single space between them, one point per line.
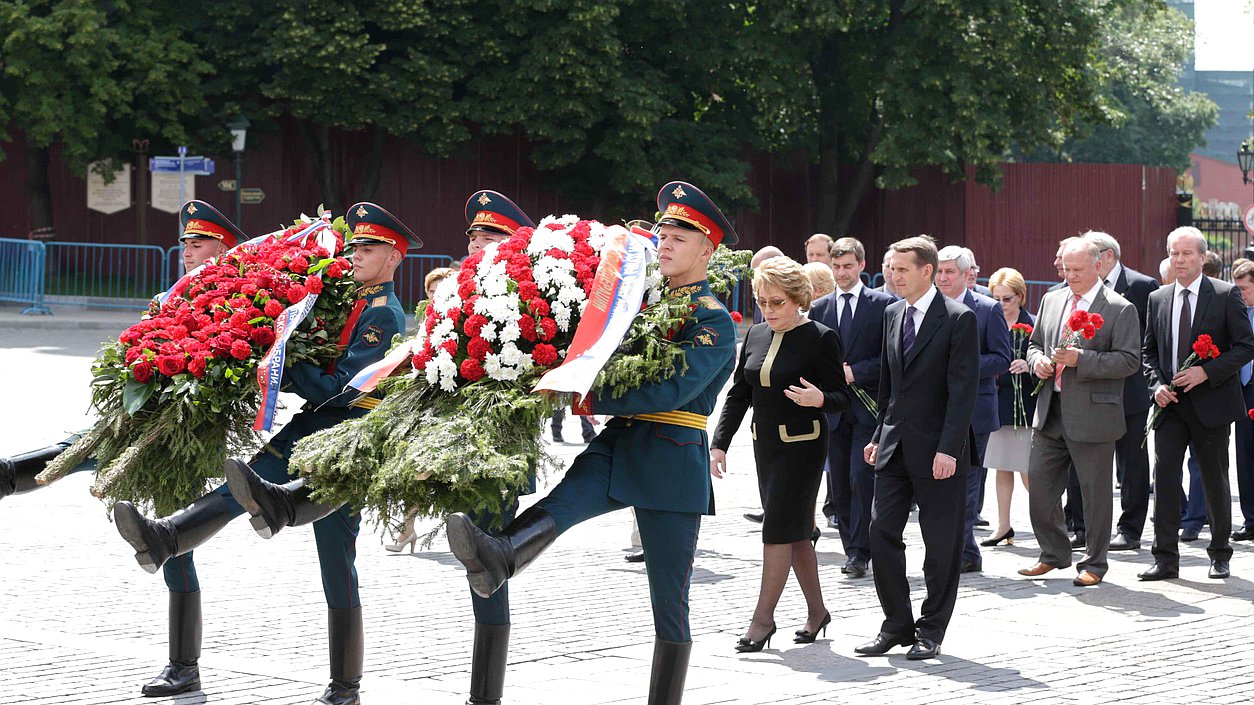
1204 348
177 390
1081 325
1019 334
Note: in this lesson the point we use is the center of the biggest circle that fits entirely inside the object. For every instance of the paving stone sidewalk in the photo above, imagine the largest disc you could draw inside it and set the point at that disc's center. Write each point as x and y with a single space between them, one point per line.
83 624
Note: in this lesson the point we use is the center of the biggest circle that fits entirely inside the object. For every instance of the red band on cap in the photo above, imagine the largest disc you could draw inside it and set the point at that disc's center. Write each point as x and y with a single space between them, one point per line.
380 233
695 218
495 220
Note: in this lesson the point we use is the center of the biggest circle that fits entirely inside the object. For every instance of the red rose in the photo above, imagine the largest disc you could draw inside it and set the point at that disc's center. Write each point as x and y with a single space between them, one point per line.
478 348
241 350
170 365
548 328
544 354
736 317
142 371
133 354
471 369
196 366
314 285
273 308
263 336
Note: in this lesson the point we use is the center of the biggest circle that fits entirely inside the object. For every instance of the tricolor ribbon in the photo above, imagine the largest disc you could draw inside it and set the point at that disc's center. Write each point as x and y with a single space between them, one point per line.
270 369
369 377
617 291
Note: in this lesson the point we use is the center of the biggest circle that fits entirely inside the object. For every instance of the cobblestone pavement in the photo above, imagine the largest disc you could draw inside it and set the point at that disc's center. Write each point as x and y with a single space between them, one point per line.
83 624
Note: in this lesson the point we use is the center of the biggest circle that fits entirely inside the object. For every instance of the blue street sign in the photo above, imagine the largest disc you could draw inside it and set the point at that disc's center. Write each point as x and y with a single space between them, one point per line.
195 166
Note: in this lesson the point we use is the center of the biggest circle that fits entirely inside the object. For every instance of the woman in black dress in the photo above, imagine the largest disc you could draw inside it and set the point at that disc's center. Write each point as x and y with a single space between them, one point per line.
790 373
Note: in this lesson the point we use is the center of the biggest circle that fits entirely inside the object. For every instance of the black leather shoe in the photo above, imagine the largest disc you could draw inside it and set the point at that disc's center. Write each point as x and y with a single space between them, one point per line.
980 521
755 517
1123 542
1219 570
1078 539
175 678
1243 534
881 644
1189 534
268 505
923 649
854 568
1159 571
972 567
153 541
491 560
636 556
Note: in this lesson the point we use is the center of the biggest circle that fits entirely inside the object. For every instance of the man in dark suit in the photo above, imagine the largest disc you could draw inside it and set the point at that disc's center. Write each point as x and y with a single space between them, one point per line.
922 449
1079 415
1199 403
995 357
886 268
1243 279
1131 457
857 314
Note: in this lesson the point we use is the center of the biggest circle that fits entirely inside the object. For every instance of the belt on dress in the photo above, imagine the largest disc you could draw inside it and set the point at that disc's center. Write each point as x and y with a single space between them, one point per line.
686 419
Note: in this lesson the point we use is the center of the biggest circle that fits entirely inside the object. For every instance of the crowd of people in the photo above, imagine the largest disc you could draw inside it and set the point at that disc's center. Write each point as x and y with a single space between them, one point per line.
944 380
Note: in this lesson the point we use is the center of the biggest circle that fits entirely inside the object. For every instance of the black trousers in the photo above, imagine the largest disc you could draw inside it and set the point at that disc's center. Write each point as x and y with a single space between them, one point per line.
942 520
1179 429
1132 463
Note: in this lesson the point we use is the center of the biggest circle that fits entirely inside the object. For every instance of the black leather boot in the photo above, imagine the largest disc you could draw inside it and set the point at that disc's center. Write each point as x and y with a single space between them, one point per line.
347 642
156 541
17 474
183 672
491 560
670 668
270 506
487 664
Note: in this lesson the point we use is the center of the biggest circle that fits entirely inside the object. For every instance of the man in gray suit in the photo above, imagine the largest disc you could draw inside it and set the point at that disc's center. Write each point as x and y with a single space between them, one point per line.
1079 414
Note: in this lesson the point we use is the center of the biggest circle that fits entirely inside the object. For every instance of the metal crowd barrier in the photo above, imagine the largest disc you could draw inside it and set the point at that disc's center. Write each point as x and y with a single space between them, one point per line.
105 275
410 275
22 265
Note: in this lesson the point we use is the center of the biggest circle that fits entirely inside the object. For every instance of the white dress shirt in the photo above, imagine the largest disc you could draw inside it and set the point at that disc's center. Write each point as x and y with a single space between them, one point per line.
1112 279
853 301
1176 299
921 306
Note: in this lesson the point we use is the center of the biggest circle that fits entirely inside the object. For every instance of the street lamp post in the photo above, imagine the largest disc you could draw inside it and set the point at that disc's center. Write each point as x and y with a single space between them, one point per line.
1245 159
239 132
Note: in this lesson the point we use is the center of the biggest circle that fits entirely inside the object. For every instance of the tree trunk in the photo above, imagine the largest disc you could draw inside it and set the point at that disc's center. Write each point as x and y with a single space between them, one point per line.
38 192
318 138
862 175
374 166
826 74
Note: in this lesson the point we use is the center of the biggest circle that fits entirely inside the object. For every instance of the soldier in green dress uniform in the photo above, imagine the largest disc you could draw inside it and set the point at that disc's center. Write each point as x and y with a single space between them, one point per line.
206 233
653 455
380 242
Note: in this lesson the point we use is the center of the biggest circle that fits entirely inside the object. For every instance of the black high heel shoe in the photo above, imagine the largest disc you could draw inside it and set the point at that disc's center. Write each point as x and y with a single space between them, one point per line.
1008 537
746 645
815 536
805 636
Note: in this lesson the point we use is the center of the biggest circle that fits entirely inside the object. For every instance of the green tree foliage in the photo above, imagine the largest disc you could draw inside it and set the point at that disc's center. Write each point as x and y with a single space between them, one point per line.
331 68
89 77
1156 122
